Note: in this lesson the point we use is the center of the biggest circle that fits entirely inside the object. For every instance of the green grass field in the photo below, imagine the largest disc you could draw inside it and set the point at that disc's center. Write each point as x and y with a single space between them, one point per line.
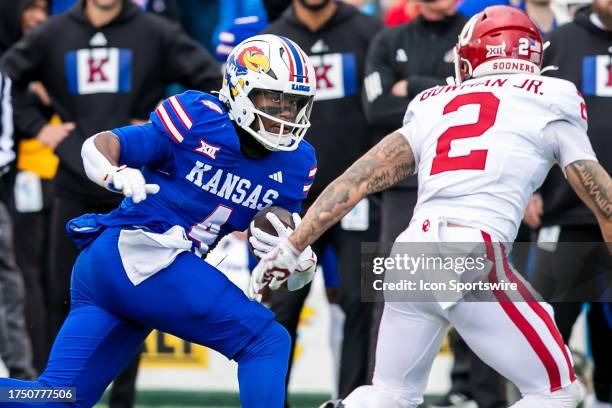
193 399
181 399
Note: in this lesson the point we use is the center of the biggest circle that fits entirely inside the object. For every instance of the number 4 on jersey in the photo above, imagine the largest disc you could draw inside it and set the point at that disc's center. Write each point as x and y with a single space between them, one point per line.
206 231
476 159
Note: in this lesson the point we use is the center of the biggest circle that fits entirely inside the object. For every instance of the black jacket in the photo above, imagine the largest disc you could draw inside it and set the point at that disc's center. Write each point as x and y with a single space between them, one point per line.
577 48
419 51
10 19
101 78
339 131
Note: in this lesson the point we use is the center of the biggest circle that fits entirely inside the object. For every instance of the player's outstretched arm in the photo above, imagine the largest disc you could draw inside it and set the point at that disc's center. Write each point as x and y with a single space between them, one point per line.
100 155
594 187
108 144
387 163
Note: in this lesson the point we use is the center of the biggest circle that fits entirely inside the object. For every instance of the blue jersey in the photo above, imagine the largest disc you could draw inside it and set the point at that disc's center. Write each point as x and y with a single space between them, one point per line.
207 186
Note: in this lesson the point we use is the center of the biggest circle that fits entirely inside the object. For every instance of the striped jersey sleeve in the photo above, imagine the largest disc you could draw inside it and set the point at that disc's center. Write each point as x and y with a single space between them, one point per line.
187 116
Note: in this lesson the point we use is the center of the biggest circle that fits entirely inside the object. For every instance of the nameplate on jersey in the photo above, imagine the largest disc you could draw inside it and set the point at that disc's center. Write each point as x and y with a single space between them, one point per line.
99 70
336 75
597 75
231 187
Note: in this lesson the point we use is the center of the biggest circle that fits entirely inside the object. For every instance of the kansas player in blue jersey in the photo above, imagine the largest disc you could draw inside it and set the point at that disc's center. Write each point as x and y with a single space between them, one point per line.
199 170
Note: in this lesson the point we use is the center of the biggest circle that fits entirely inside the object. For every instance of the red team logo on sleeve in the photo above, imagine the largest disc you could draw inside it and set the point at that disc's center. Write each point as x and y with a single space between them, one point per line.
425 225
583 108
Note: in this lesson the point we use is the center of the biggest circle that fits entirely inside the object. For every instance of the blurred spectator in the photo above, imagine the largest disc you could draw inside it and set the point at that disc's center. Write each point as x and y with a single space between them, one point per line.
165 8
540 11
34 13
15 347
336 37
582 50
233 9
31 207
471 7
565 9
542 14
200 19
240 30
274 8
368 7
10 12
401 12
104 63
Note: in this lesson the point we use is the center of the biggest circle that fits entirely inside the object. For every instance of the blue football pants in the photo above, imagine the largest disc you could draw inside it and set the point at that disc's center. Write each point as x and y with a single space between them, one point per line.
110 319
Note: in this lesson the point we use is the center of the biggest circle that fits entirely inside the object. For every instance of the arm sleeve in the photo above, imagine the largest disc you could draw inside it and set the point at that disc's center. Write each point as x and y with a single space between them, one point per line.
143 146
381 108
568 143
22 63
188 63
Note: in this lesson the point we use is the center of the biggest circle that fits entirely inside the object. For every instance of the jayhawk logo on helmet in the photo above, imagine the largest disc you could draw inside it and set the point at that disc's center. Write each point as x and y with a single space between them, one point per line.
250 58
254 59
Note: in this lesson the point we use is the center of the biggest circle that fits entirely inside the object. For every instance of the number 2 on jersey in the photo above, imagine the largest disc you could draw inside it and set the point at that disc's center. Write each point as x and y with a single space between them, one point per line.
476 159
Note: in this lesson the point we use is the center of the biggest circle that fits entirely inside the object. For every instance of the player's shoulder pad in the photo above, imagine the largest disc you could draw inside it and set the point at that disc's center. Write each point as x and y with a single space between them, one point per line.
192 115
566 102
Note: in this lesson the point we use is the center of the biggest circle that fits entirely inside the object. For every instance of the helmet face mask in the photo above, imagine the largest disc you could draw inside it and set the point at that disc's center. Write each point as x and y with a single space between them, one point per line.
269 88
282 117
498 40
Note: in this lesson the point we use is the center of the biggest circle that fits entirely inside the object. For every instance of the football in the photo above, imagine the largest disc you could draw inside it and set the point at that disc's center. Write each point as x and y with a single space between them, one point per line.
260 221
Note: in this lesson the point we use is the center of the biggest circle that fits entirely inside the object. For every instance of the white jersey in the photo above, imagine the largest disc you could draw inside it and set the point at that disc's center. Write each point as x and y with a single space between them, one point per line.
482 148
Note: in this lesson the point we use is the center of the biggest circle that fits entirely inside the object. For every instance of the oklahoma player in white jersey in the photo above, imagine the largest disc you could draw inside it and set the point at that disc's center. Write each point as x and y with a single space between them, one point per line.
481 148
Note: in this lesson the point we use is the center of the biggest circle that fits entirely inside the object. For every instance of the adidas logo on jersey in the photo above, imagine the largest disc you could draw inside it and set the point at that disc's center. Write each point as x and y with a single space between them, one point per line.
400 55
98 40
278 176
319 47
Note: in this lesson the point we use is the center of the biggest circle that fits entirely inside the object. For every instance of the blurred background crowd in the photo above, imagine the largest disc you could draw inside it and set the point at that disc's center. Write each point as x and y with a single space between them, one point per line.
72 68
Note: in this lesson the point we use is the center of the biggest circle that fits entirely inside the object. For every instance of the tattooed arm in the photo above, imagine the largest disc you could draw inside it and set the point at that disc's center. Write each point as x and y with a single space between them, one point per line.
387 163
594 187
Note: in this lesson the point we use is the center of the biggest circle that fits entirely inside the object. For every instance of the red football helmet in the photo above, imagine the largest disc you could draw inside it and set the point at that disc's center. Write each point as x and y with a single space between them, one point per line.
498 40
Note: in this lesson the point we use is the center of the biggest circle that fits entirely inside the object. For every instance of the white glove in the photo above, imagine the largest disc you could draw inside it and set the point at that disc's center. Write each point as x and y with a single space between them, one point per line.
130 182
262 242
305 271
273 269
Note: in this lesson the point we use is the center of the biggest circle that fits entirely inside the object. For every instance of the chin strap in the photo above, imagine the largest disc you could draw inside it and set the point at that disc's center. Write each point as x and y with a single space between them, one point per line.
548 67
